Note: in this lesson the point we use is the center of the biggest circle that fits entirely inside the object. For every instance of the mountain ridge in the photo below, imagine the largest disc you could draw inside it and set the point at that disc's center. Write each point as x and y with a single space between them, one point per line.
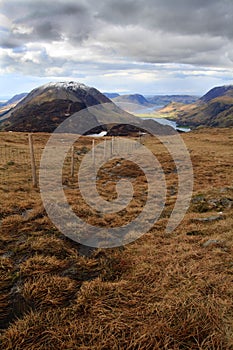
166 99
214 109
47 106
131 98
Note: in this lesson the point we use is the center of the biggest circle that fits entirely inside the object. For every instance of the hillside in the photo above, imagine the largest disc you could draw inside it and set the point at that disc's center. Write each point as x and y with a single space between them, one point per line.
141 105
47 106
134 103
111 94
16 98
163 291
162 100
214 109
11 103
134 98
216 92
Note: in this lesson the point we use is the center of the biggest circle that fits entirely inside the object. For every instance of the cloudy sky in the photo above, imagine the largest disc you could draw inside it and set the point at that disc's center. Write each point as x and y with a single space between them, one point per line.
145 46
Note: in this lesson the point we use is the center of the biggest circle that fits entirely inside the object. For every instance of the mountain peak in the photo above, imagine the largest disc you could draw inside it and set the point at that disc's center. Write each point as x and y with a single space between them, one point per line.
71 85
45 107
132 98
225 90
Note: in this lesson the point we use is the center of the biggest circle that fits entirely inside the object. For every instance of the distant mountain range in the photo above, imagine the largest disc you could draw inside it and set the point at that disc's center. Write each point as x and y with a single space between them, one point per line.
214 109
5 107
139 104
134 103
160 100
46 107
163 100
15 99
133 98
111 94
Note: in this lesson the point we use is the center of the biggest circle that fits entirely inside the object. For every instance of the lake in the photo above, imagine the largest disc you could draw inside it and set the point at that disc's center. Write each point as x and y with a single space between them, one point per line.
173 124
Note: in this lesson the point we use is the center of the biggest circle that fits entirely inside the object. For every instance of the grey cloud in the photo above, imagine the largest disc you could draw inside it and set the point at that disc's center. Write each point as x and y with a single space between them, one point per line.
45 30
211 17
48 20
196 32
37 62
27 9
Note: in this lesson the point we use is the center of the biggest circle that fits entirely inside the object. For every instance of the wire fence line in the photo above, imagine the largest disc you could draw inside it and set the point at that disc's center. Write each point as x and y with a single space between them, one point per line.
20 157
20 162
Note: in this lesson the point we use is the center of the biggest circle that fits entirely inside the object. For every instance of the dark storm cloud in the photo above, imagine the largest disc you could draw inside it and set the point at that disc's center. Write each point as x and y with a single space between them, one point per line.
198 32
181 31
211 17
48 21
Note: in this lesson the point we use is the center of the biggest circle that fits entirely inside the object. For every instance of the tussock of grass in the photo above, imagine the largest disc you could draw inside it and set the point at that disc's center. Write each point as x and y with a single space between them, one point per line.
164 291
119 315
48 291
38 264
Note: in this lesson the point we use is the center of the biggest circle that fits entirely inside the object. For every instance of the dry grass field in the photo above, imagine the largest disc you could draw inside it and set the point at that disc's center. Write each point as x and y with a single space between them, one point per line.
164 291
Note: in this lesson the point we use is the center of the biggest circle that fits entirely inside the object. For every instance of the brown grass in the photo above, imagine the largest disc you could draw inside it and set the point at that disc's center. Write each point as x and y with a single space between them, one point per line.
164 291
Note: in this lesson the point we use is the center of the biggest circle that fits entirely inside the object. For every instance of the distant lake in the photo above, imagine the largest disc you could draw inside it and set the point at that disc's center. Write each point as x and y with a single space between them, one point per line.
162 121
173 124
144 110
153 108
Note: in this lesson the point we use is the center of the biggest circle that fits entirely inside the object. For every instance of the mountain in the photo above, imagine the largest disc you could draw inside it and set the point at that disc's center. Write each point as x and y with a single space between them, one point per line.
134 103
140 104
214 109
47 106
134 98
162 100
5 107
218 92
111 94
16 98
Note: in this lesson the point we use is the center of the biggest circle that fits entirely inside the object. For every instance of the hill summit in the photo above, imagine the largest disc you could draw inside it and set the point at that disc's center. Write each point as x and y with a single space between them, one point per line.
133 98
45 107
218 91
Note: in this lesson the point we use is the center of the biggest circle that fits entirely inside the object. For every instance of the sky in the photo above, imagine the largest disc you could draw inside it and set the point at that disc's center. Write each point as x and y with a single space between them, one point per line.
126 46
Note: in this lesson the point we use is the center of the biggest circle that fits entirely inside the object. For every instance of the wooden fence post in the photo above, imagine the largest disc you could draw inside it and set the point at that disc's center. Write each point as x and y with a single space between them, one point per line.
104 148
33 163
93 151
72 162
112 146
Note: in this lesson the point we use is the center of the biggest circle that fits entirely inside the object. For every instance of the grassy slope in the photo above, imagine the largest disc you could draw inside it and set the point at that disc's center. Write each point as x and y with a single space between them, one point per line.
218 112
161 292
172 111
